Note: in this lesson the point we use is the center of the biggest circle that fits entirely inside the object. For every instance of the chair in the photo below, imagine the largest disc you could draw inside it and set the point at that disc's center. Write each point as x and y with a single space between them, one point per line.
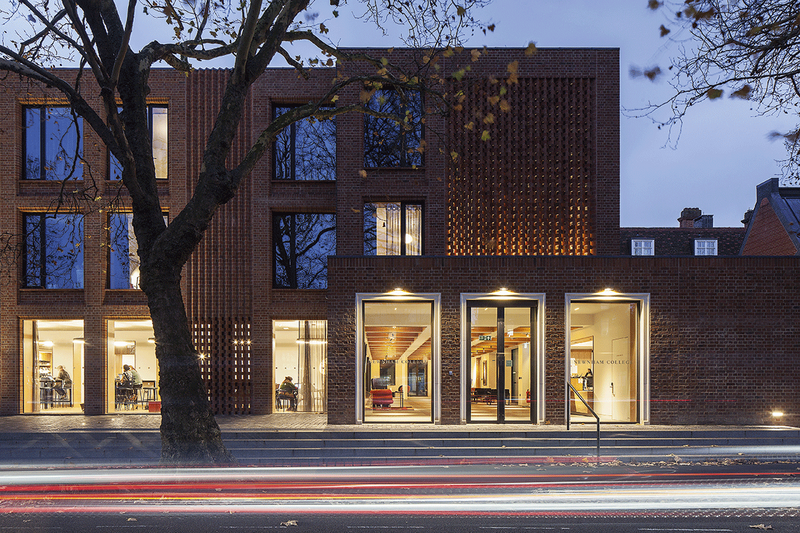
282 396
62 400
381 398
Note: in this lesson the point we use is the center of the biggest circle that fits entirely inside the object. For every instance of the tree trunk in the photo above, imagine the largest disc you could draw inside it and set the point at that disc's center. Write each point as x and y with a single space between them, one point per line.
189 433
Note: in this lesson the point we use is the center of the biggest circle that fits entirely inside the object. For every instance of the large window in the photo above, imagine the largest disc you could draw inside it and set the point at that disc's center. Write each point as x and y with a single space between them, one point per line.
157 121
300 349
123 252
392 228
394 142
302 243
306 150
53 366
54 251
53 144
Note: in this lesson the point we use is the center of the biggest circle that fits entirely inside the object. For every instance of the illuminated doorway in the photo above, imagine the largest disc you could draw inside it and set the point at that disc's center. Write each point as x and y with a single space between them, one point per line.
501 358
606 363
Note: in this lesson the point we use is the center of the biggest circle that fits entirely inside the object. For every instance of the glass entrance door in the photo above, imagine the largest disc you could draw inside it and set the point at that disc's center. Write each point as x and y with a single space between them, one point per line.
502 369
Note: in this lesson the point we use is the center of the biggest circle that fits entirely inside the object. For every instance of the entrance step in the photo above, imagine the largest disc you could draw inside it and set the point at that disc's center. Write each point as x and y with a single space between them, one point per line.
333 447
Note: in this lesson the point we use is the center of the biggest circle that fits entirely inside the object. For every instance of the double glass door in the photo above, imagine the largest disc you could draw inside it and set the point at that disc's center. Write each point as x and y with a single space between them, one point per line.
502 361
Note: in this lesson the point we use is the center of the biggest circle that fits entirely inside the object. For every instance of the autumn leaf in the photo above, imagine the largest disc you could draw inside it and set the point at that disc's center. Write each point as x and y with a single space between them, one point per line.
713 94
493 99
461 11
505 107
743 93
454 156
531 49
513 69
475 55
485 135
663 30
362 173
470 126
488 119
653 4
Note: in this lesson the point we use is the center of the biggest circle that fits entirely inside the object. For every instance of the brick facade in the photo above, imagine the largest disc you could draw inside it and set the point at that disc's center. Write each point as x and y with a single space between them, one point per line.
534 209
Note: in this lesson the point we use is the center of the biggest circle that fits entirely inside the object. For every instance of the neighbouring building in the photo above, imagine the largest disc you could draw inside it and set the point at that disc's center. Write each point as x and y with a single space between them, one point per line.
472 281
695 235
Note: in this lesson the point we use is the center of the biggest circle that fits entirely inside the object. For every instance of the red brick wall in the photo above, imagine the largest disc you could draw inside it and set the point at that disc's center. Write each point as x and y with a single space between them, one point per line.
724 337
767 235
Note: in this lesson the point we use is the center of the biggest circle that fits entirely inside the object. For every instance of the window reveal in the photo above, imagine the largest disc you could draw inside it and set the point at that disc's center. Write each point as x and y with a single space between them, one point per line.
53 144
389 142
306 149
302 243
54 251
392 228
158 122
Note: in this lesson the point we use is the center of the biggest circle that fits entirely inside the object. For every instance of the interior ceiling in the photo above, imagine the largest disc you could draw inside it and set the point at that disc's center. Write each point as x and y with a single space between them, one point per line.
392 342
479 347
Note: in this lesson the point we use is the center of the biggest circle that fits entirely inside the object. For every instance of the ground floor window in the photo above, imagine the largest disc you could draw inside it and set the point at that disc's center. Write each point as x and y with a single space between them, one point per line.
132 369
606 363
53 366
300 355
398 358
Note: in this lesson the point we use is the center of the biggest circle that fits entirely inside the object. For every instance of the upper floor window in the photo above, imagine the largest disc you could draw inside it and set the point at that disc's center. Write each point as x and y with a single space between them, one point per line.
389 142
158 122
53 144
302 243
123 252
643 247
705 247
392 228
306 149
54 251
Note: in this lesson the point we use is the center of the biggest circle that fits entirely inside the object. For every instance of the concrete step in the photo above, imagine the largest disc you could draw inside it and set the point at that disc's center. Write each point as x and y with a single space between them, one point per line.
279 447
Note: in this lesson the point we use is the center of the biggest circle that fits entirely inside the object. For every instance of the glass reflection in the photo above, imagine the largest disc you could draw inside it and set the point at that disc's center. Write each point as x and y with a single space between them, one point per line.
387 142
306 149
302 244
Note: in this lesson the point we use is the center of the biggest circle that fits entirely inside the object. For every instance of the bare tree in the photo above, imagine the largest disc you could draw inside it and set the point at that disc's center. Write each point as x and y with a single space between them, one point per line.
252 34
746 49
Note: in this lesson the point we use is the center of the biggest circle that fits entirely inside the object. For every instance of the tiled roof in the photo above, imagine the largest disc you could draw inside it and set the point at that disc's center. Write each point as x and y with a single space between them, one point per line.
680 241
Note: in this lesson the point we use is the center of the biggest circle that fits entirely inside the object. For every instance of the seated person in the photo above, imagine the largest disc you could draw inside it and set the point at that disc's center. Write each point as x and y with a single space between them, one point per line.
288 391
131 380
64 381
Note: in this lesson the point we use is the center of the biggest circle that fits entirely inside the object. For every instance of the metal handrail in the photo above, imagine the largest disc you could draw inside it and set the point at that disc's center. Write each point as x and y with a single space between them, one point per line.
578 394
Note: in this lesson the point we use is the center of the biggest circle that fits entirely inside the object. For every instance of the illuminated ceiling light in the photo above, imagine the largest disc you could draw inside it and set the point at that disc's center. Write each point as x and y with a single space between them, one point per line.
46 344
777 414
151 340
201 355
120 344
78 340
398 292
608 292
503 292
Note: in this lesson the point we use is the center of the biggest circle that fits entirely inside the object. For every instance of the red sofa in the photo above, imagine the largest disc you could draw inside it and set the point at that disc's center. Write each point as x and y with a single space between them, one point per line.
381 397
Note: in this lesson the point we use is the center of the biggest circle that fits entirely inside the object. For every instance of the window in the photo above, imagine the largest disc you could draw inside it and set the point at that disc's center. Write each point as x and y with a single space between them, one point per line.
643 247
53 144
157 121
306 150
54 251
123 252
302 243
387 142
705 247
392 228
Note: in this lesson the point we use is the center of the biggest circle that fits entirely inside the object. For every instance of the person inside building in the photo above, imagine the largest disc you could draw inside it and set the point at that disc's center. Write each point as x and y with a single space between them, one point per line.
288 391
63 382
132 381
